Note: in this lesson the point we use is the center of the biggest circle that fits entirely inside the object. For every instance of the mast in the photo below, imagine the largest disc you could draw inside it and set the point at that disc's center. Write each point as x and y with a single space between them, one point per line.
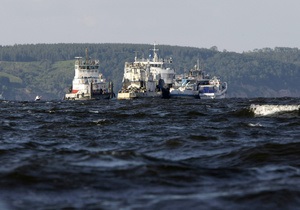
135 57
155 56
86 54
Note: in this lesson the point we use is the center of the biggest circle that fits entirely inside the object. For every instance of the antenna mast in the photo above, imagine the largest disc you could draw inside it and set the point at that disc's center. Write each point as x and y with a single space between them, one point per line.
86 54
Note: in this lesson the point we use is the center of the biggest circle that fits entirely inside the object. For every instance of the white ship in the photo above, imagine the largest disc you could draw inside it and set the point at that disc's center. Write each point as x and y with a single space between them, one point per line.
198 85
145 78
88 82
186 85
212 88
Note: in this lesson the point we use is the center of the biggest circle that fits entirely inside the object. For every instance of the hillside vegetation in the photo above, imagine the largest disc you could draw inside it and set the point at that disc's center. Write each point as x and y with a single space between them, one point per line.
48 69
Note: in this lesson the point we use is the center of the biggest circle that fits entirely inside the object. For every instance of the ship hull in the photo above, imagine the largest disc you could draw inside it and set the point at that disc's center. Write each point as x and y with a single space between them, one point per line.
147 78
74 96
183 96
177 93
134 95
212 96
88 83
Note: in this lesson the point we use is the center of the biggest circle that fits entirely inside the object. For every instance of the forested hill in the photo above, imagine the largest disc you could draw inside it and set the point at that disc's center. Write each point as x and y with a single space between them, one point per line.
48 69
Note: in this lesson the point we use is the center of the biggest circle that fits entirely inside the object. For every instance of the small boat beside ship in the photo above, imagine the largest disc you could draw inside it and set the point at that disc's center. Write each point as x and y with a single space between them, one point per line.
212 88
186 85
147 78
196 84
88 83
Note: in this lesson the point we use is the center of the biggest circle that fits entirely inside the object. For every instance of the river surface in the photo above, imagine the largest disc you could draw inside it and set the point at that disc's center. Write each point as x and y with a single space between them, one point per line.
150 154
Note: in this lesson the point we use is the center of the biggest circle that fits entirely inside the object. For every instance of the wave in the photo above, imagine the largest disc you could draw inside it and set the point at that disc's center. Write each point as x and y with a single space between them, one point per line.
271 110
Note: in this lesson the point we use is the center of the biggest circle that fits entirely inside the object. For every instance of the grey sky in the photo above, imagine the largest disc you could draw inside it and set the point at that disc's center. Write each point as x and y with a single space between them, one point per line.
234 25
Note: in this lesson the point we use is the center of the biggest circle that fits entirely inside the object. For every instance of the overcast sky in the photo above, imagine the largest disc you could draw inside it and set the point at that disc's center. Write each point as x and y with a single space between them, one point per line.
233 25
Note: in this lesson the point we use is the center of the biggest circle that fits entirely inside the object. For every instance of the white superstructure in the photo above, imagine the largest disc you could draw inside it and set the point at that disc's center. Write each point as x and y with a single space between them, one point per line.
196 84
146 77
88 82
186 85
212 88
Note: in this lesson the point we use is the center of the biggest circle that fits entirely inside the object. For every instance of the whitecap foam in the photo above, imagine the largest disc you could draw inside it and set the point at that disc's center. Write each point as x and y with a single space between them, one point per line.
264 110
255 125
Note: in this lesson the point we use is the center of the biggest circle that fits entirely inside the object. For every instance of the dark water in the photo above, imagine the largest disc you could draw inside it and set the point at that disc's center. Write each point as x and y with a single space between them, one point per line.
150 154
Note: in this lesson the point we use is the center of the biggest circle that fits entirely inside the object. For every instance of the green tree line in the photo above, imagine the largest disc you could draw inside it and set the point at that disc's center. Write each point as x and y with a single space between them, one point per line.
48 69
